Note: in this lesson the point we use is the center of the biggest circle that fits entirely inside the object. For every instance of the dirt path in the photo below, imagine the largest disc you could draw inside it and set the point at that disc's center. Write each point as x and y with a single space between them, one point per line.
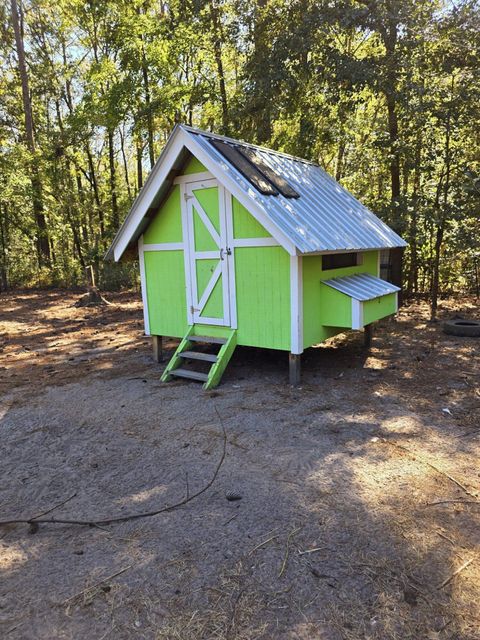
335 536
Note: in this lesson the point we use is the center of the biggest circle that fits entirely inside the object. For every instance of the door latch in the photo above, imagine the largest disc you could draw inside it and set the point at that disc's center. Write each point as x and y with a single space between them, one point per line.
227 251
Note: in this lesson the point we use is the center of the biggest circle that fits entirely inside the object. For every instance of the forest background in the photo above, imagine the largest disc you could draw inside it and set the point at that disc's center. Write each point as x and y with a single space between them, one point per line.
384 94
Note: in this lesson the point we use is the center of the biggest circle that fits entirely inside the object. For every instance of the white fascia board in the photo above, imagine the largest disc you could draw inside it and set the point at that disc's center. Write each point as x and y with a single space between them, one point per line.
350 250
151 187
232 186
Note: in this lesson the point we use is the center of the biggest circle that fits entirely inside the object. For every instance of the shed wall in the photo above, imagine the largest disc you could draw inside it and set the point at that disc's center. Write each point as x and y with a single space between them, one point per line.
165 271
262 276
314 301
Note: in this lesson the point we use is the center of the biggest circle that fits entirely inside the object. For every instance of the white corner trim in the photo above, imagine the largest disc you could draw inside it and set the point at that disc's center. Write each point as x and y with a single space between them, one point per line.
357 314
296 305
194 177
164 246
143 284
396 301
256 242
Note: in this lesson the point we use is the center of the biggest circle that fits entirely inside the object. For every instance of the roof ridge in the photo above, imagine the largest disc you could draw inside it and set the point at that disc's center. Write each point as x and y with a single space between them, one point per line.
216 136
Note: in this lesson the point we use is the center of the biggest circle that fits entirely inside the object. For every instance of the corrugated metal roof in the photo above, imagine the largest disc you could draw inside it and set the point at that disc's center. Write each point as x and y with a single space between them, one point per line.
362 286
326 217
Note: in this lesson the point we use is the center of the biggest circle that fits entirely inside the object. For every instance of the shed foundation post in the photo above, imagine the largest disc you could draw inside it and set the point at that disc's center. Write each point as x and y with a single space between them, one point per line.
368 335
294 365
157 348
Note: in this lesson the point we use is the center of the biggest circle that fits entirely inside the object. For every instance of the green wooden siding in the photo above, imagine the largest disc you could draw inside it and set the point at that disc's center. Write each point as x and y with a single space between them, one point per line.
193 166
165 271
335 308
167 303
262 275
379 308
167 224
316 299
244 224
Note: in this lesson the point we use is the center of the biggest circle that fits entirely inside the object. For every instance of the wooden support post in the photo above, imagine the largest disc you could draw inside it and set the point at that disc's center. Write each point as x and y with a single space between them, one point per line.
368 335
157 348
294 363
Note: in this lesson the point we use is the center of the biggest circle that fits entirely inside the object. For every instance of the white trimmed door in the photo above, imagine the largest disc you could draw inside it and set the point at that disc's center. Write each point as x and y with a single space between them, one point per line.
208 253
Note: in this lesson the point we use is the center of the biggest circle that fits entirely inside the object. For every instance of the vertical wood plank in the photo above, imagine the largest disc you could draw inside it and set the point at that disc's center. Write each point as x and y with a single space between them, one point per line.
294 367
157 348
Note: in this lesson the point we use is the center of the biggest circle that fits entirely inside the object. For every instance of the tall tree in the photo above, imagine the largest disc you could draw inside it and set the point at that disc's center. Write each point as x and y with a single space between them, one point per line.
43 244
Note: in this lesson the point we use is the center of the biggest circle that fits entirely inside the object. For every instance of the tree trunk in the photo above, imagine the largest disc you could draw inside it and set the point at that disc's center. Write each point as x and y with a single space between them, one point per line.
139 166
217 49
125 164
113 181
4 242
389 36
42 242
261 80
436 273
412 286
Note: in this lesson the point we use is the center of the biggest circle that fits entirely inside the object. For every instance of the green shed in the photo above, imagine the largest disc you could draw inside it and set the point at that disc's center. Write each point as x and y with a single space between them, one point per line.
242 245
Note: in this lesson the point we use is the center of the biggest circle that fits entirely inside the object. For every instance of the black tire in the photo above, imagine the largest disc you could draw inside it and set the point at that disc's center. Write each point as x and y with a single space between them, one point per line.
462 328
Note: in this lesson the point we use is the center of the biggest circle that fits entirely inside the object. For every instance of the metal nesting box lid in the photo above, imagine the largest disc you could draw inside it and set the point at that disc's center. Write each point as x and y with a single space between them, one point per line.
362 286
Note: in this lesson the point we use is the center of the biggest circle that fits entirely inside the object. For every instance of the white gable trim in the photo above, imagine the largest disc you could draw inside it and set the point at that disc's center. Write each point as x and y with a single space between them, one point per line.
181 138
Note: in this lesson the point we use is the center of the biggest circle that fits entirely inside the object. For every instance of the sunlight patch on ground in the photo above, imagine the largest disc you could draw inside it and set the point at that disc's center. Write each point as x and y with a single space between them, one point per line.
11 557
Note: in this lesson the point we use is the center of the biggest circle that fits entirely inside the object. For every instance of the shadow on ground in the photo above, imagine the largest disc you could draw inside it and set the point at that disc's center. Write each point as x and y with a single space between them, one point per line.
335 536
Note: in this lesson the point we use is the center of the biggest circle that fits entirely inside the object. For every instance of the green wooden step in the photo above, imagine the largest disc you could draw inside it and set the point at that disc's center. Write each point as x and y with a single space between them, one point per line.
209 339
188 373
198 355
218 362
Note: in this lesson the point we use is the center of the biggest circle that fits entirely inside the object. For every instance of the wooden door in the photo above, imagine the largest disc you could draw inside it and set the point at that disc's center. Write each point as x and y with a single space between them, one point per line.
208 253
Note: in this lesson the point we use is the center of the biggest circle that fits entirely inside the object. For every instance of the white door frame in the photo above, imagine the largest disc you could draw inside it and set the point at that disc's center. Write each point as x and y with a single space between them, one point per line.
223 240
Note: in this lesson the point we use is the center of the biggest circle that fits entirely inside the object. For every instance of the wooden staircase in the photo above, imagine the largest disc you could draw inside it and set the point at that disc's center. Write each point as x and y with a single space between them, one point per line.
202 358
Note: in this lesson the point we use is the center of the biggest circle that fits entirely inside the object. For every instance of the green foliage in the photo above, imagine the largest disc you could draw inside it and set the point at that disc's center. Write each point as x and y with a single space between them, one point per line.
384 95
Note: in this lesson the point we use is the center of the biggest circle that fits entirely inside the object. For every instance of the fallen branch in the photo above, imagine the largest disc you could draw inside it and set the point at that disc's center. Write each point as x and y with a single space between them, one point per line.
34 525
414 456
455 573
433 504
36 520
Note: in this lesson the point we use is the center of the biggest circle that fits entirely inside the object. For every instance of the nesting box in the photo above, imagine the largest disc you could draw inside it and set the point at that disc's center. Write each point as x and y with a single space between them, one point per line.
242 245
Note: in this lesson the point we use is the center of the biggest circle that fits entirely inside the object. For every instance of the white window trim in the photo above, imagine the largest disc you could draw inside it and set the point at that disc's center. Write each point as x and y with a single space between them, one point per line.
143 285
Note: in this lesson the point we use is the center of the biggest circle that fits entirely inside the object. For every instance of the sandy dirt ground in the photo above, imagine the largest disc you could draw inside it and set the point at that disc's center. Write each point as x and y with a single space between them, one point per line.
359 512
